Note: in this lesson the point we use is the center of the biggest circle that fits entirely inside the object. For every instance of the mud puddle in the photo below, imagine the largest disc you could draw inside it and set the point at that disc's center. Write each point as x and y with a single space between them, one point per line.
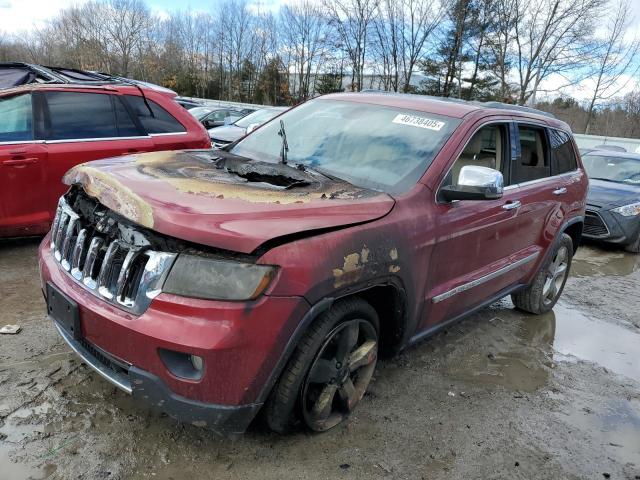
593 262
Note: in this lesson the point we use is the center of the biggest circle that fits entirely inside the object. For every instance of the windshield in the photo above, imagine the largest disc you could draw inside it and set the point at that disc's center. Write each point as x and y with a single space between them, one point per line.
259 116
199 111
370 146
614 169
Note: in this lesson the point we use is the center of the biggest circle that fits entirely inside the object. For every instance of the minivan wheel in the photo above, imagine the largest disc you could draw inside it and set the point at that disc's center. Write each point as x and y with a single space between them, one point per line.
547 286
330 370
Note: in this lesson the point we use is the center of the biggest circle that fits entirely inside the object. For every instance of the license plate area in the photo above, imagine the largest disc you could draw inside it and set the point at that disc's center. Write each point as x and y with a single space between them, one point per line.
63 310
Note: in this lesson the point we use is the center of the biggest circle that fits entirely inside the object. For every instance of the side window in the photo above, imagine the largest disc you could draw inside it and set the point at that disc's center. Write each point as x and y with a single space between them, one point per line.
126 126
75 115
17 118
534 160
486 149
153 117
563 156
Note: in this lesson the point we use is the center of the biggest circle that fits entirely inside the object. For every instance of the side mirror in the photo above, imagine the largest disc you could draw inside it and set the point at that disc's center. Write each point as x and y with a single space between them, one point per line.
475 183
252 127
208 124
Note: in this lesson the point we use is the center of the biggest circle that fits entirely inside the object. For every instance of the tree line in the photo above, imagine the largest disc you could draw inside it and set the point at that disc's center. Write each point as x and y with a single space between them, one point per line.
515 51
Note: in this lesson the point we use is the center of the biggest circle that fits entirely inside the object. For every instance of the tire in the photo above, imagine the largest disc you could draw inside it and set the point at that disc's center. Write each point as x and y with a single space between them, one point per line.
285 408
546 288
633 247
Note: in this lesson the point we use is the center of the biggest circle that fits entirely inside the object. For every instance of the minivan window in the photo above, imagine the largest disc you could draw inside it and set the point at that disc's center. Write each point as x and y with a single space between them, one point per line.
17 118
371 146
533 163
76 115
563 155
153 117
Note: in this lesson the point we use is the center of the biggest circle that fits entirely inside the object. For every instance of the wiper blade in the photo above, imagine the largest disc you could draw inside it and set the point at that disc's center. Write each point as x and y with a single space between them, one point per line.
285 146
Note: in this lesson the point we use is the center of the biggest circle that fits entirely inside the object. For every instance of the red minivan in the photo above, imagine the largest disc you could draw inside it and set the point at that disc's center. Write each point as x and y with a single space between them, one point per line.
267 276
48 128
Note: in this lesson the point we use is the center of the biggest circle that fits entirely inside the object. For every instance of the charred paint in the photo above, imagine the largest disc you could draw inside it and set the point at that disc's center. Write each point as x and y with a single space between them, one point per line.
111 193
356 265
222 176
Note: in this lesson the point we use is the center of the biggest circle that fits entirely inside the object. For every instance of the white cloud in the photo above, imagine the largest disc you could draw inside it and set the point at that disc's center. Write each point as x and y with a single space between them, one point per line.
19 15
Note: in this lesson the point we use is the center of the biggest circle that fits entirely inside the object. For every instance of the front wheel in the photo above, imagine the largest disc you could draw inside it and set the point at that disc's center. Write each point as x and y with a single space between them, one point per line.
330 370
634 247
547 286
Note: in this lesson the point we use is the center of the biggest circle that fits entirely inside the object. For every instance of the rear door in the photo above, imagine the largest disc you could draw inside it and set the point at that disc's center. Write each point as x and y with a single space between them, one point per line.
23 199
542 189
84 126
479 251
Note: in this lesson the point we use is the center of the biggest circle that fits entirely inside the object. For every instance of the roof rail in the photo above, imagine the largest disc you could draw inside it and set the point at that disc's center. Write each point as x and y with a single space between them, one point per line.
516 108
490 104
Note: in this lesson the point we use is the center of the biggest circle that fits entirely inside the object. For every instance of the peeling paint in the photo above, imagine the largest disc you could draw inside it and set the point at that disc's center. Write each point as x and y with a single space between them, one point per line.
394 268
393 253
352 269
111 193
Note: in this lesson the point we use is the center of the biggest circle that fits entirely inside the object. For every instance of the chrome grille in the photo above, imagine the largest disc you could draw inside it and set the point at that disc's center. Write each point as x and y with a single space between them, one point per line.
124 275
594 226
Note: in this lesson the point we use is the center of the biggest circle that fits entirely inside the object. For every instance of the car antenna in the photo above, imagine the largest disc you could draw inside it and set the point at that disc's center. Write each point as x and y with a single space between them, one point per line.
285 146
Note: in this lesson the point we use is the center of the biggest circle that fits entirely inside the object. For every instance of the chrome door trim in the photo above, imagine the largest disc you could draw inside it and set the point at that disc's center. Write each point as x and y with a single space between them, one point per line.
479 281
100 139
167 133
22 142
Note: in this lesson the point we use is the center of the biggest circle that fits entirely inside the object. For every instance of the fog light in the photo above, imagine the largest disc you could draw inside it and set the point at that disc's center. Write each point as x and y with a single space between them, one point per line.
197 363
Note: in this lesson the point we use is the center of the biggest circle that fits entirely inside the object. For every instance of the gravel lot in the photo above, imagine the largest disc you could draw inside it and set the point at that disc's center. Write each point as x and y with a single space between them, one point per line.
499 395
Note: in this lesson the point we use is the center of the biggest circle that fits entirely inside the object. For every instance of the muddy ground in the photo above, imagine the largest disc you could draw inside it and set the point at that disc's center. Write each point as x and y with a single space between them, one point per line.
499 395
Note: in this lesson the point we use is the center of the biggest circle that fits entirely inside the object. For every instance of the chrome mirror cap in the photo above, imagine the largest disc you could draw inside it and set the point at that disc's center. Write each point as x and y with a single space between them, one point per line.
484 178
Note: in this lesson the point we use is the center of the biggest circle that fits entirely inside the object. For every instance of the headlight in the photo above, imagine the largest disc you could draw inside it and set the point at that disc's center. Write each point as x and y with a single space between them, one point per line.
201 277
628 210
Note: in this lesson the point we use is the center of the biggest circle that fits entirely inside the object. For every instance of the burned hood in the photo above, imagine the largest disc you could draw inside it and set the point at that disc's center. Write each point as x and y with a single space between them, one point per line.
213 198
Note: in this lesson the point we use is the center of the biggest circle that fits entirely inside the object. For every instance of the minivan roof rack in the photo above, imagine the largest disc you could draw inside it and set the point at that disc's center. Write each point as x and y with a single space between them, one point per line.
13 74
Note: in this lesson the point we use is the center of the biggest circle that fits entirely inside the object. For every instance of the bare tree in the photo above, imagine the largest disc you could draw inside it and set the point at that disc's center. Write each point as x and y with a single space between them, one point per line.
614 58
303 34
551 37
352 20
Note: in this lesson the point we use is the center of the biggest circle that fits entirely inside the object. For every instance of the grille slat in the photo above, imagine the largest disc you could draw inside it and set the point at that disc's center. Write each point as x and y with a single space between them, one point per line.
127 276
594 226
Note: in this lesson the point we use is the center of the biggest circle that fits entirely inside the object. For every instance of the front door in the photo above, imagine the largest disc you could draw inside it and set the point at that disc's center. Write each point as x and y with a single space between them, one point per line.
480 251
23 206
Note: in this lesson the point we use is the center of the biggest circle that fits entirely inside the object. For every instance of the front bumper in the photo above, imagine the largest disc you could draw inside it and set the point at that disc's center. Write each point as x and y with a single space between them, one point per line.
149 388
608 226
241 345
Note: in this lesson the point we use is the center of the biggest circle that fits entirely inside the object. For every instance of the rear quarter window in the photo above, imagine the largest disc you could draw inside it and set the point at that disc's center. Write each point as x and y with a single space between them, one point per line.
563 155
153 117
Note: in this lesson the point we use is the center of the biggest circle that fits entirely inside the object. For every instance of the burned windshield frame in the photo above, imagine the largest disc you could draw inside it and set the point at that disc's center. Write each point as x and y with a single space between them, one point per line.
366 134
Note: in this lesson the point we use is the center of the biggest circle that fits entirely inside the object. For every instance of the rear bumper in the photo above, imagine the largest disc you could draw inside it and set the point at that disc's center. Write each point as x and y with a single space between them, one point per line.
150 389
610 227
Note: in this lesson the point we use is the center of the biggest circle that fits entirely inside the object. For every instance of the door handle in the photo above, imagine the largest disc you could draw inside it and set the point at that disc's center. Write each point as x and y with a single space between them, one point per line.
20 161
560 191
512 205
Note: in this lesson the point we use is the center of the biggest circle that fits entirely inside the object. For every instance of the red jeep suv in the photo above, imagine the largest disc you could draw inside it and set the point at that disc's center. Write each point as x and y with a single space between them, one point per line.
48 128
267 276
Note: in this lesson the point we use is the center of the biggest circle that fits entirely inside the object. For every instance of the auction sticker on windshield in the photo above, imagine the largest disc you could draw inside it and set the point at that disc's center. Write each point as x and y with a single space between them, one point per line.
421 122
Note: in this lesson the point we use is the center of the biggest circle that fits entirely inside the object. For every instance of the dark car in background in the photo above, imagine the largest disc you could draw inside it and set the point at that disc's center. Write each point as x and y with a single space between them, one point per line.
211 117
221 136
613 203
